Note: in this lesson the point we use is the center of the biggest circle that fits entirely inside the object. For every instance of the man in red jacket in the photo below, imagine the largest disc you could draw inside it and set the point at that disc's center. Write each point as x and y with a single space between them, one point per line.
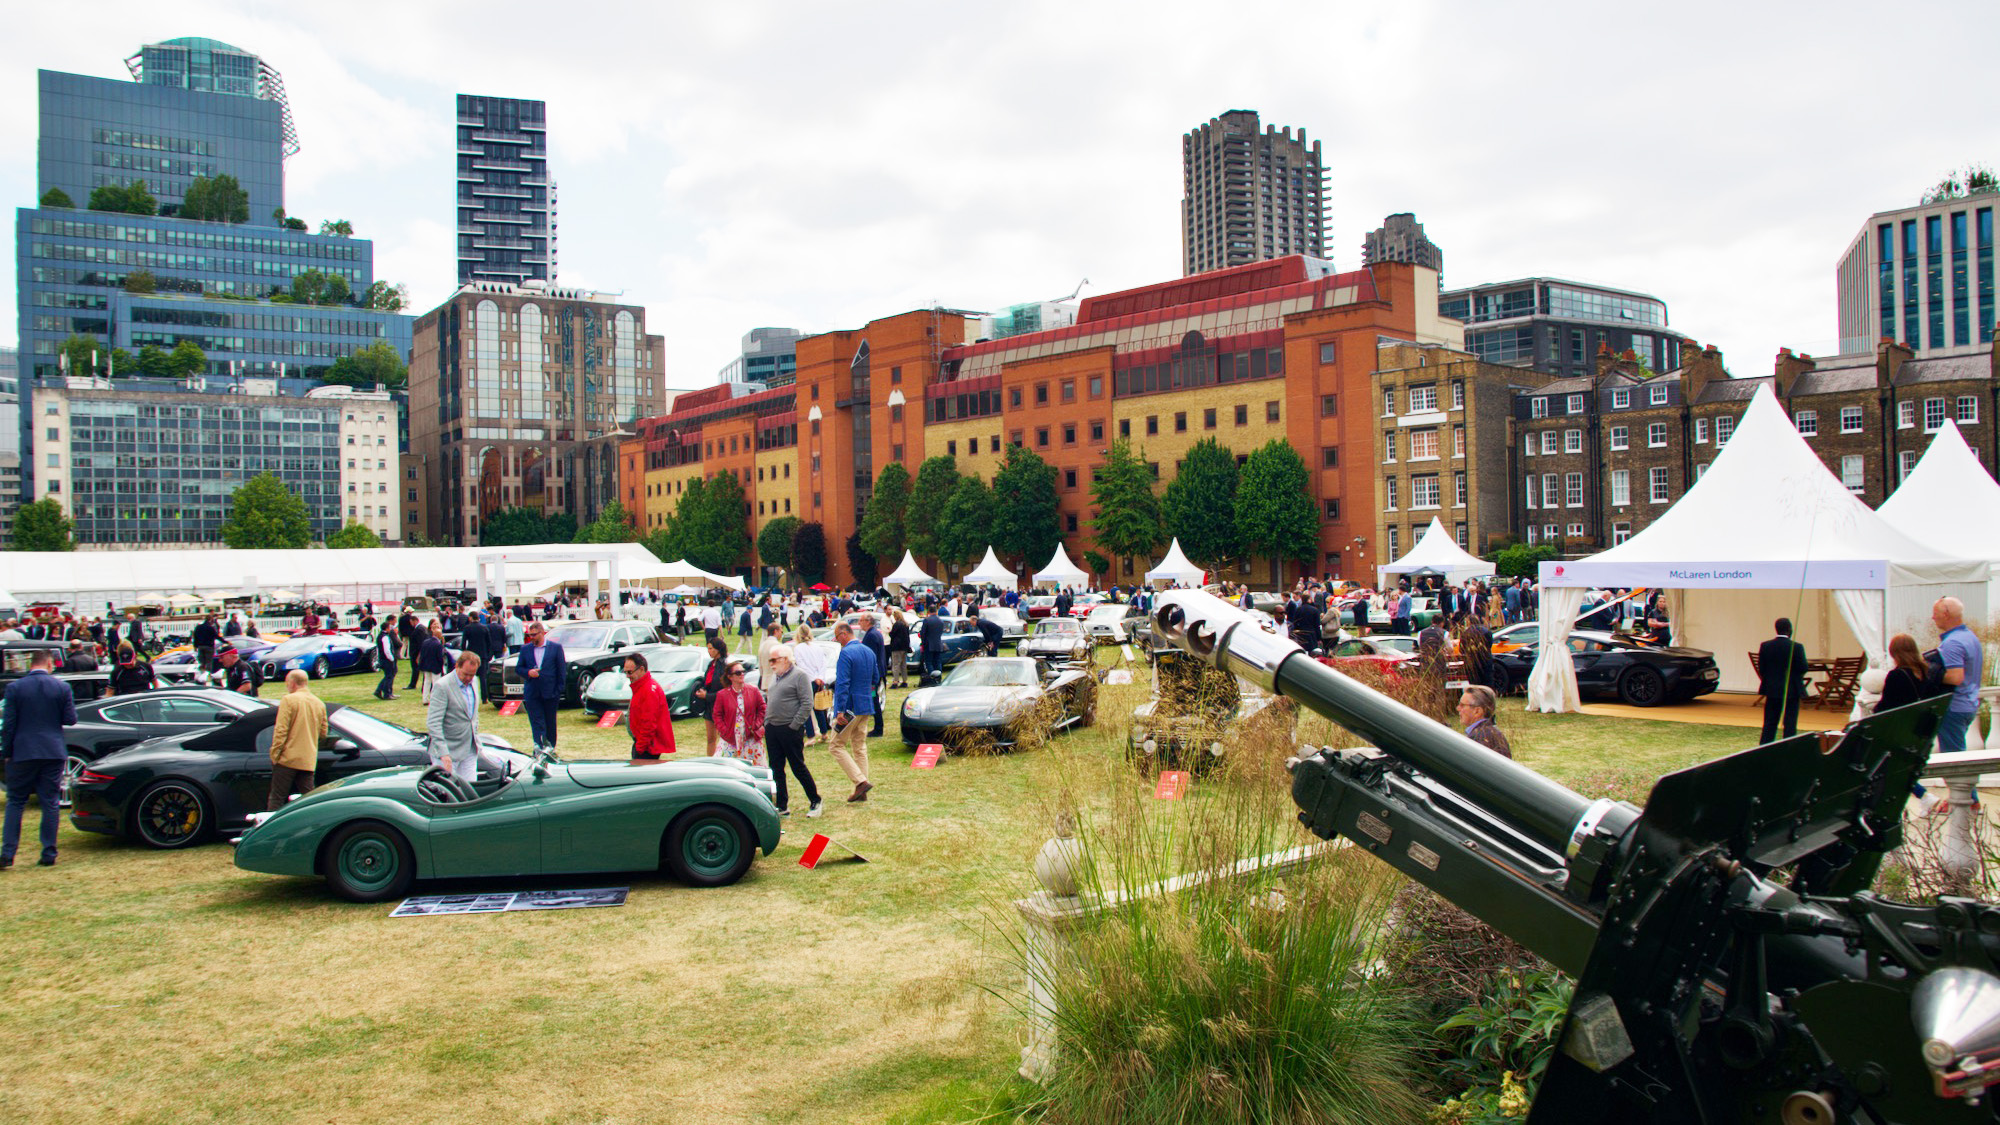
648 716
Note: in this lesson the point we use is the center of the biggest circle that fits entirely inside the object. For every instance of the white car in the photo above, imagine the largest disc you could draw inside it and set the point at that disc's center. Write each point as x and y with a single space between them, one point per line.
1012 626
1108 623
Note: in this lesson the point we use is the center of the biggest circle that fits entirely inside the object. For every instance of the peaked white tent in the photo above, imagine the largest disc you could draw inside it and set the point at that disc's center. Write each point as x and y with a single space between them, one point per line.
1176 568
989 572
908 574
1952 503
1767 532
1436 550
1061 571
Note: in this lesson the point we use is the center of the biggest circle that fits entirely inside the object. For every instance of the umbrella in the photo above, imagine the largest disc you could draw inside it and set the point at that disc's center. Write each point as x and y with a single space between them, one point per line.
821 587
183 599
325 594
284 595
150 598
683 590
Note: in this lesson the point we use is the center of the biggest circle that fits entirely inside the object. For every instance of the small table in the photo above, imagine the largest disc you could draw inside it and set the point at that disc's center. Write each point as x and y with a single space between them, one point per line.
1837 688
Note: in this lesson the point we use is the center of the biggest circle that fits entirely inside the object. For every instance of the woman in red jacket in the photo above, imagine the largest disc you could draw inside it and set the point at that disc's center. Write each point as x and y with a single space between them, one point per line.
648 716
739 719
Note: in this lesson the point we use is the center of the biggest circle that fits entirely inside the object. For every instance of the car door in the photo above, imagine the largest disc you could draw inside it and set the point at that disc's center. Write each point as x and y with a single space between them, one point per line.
1591 664
499 834
114 726
242 779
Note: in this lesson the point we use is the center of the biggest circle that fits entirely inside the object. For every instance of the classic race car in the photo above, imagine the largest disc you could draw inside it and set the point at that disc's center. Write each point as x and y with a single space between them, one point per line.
104 726
371 836
178 664
997 699
321 655
1110 623
1608 665
180 790
1056 638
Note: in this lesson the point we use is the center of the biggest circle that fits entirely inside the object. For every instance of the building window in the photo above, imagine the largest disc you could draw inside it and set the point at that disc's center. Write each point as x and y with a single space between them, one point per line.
1388 447
1327 352
1424 491
1850 419
1069 522
1424 445
1041 394
1534 535
1096 432
1621 438
1458 394
1395 546
1331 508
1576 404
1208 418
1621 398
895 375
950 449
1242 415
1538 407
1576 531
1329 458
1905 461
1388 402
1271 412
1531 494
1097 386
1968 409
1806 422
1620 532
1458 489
1656 433
1573 490
1069 434
1389 493
1180 422
1723 428
896 413
1549 439
1069 478
1933 415
1124 427
1701 431
1424 399
1657 396
1042 436
1621 487
1069 390
1329 405
1572 441
1551 490
1014 396
1906 414
1152 424
1550 533
1017 437
1527 445
1458 441
1851 472
1656 480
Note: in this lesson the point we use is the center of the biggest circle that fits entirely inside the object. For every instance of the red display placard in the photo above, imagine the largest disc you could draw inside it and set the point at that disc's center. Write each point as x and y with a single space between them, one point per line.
927 756
610 718
814 849
511 707
1173 785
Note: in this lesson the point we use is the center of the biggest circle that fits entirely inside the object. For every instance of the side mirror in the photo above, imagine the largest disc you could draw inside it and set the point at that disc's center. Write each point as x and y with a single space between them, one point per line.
616 645
223 717
346 749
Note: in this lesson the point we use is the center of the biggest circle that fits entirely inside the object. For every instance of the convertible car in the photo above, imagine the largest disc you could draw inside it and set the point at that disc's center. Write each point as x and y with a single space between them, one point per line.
182 789
371 836
1615 667
178 664
590 648
997 699
104 726
678 669
1110 623
1056 638
321 655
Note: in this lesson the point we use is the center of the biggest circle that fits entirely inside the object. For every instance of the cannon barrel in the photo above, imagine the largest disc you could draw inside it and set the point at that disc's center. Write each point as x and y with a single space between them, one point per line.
1213 630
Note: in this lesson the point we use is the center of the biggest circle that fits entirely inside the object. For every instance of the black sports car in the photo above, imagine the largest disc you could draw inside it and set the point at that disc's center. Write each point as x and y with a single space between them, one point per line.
996 699
104 726
180 790
1611 666
589 647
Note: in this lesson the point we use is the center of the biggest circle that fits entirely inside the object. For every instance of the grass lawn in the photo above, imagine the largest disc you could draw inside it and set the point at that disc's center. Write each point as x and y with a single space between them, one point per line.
147 987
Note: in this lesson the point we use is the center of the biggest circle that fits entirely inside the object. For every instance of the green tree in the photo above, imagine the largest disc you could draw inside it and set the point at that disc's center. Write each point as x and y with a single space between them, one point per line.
1973 179
263 513
936 478
129 199
1128 514
370 364
1521 560
340 227
153 361
881 528
141 281
384 297
1095 563
287 221
186 360
709 523
774 543
809 554
965 526
121 360
309 287
514 527
338 291
57 197
861 564
353 536
42 526
613 525
1025 525
217 200
84 355
1200 506
1275 511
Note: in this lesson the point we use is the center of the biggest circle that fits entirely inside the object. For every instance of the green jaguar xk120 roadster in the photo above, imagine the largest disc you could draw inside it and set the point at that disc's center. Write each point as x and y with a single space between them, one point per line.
372 835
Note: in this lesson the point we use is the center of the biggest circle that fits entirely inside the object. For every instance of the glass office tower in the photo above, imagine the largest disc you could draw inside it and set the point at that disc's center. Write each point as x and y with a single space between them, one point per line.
506 201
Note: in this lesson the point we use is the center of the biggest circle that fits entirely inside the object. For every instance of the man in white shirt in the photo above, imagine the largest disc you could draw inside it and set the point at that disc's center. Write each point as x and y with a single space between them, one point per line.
711 621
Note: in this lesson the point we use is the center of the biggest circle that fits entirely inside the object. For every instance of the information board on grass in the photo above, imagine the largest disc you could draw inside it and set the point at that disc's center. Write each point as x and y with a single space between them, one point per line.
610 718
1118 676
1173 785
426 906
927 756
511 707
816 849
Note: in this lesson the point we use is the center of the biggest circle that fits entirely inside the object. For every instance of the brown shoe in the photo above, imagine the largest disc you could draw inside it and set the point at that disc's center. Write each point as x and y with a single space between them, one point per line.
861 790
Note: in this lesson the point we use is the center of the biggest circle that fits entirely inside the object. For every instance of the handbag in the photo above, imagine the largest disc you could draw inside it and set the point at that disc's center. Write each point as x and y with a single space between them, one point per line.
822 699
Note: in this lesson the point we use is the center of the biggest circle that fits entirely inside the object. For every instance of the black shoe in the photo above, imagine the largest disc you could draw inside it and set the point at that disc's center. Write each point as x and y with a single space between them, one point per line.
6 863
46 861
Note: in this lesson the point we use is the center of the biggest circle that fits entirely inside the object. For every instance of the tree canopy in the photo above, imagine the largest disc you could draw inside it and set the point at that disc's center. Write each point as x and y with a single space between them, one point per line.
1275 511
352 537
936 478
1025 526
57 197
809 554
513 527
1973 179
1199 508
774 543
862 564
129 199
384 296
42 526
263 513
1128 514
370 364
338 227
315 287
708 527
217 200
613 525
881 528
186 360
965 526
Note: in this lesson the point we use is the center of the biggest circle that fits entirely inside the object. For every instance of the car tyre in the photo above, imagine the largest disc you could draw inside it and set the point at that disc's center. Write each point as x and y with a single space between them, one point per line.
321 669
368 861
709 846
72 766
368 661
171 814
1503 680
1641 686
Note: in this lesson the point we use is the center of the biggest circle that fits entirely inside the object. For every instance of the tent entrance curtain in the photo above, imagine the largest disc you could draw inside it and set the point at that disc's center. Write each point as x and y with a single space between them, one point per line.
1864 611
1552 683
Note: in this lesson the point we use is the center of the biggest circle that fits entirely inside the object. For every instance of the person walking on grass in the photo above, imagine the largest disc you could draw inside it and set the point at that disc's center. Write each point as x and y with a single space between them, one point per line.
899 648
386 653
787 716
878 646
295 739
739 719
1964 664
853 704
544 671
812 662
32 714
649 716
431 660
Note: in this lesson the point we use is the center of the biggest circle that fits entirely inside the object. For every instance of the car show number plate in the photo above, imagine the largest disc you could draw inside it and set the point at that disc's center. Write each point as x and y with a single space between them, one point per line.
610 718
511 707
1173 785
927 756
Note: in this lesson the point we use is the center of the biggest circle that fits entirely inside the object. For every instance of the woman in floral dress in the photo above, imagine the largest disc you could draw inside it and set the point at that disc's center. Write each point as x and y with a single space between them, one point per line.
739 720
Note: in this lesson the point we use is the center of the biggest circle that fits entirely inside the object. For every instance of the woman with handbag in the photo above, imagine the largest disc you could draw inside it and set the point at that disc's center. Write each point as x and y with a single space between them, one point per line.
739 717
713 681
812 662
899 649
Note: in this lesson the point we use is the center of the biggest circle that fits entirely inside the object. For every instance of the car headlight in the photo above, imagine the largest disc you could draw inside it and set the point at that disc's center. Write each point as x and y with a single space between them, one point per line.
913 707
1150 746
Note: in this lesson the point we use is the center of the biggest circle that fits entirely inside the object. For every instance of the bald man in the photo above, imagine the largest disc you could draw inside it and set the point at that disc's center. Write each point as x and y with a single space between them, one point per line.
295 738
1964 668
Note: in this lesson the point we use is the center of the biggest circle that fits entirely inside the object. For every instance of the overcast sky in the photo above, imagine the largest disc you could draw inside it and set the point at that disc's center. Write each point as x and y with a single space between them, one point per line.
732 165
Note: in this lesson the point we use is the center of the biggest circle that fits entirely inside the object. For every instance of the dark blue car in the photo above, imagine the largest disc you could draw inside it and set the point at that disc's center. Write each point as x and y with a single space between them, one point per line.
321 655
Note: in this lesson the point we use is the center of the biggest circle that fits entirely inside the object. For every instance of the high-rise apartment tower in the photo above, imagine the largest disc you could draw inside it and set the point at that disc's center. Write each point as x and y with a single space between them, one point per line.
506 201
1250 194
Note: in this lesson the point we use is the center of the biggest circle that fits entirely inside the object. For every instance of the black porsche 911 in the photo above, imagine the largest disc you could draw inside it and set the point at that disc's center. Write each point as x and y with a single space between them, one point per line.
116 722
995 699
182 789
1614 667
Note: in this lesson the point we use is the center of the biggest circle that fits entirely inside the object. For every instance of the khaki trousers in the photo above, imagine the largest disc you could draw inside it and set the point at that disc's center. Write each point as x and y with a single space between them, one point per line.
850 749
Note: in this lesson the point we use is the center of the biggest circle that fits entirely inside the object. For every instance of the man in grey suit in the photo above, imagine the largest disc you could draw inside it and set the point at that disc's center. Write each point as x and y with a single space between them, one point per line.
453 720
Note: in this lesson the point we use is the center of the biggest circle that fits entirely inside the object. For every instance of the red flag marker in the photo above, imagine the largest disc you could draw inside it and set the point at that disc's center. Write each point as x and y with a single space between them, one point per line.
511 707
814 850
927 756
610 718
1173 785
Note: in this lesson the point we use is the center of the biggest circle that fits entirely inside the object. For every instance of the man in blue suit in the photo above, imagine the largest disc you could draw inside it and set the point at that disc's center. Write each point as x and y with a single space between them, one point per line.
543 672
36 708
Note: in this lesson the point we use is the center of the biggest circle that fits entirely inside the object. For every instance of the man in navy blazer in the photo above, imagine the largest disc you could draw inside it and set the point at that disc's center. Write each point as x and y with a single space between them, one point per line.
36 708
543 672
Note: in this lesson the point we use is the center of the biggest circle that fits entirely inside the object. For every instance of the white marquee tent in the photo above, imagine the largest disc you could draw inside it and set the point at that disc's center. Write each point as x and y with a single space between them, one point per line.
908 574
989 572
657 575
1061 571
1952 503
1768 532
1176 568
1436 550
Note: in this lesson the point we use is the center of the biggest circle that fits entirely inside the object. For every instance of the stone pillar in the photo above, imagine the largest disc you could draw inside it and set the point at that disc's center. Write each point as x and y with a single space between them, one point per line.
1048 916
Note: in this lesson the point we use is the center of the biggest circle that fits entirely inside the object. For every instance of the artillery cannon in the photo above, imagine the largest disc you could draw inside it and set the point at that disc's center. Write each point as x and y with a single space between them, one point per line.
1730 963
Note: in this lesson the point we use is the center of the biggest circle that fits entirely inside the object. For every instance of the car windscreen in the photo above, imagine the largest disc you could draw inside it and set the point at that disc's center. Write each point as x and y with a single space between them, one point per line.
1107 612
374 733
681 660
1059 625
993 673
581 636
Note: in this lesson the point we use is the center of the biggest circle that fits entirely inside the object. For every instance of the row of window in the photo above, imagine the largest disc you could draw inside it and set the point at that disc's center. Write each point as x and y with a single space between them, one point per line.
156 142
1425 492
1621 399
174 260
208 236
141 162
1422 398
1421 444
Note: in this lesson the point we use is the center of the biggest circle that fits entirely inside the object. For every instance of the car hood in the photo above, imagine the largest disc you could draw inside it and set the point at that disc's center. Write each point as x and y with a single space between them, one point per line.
950 703
1060 642
613 775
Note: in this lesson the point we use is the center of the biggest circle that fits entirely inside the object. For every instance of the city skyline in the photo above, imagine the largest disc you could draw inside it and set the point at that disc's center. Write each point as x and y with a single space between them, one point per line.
771 181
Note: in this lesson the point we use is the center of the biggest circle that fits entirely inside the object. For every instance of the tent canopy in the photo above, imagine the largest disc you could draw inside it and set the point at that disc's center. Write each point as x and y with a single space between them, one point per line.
908 574
1061 571
1436 552
1766 532
1950 502
1176 568
989 572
